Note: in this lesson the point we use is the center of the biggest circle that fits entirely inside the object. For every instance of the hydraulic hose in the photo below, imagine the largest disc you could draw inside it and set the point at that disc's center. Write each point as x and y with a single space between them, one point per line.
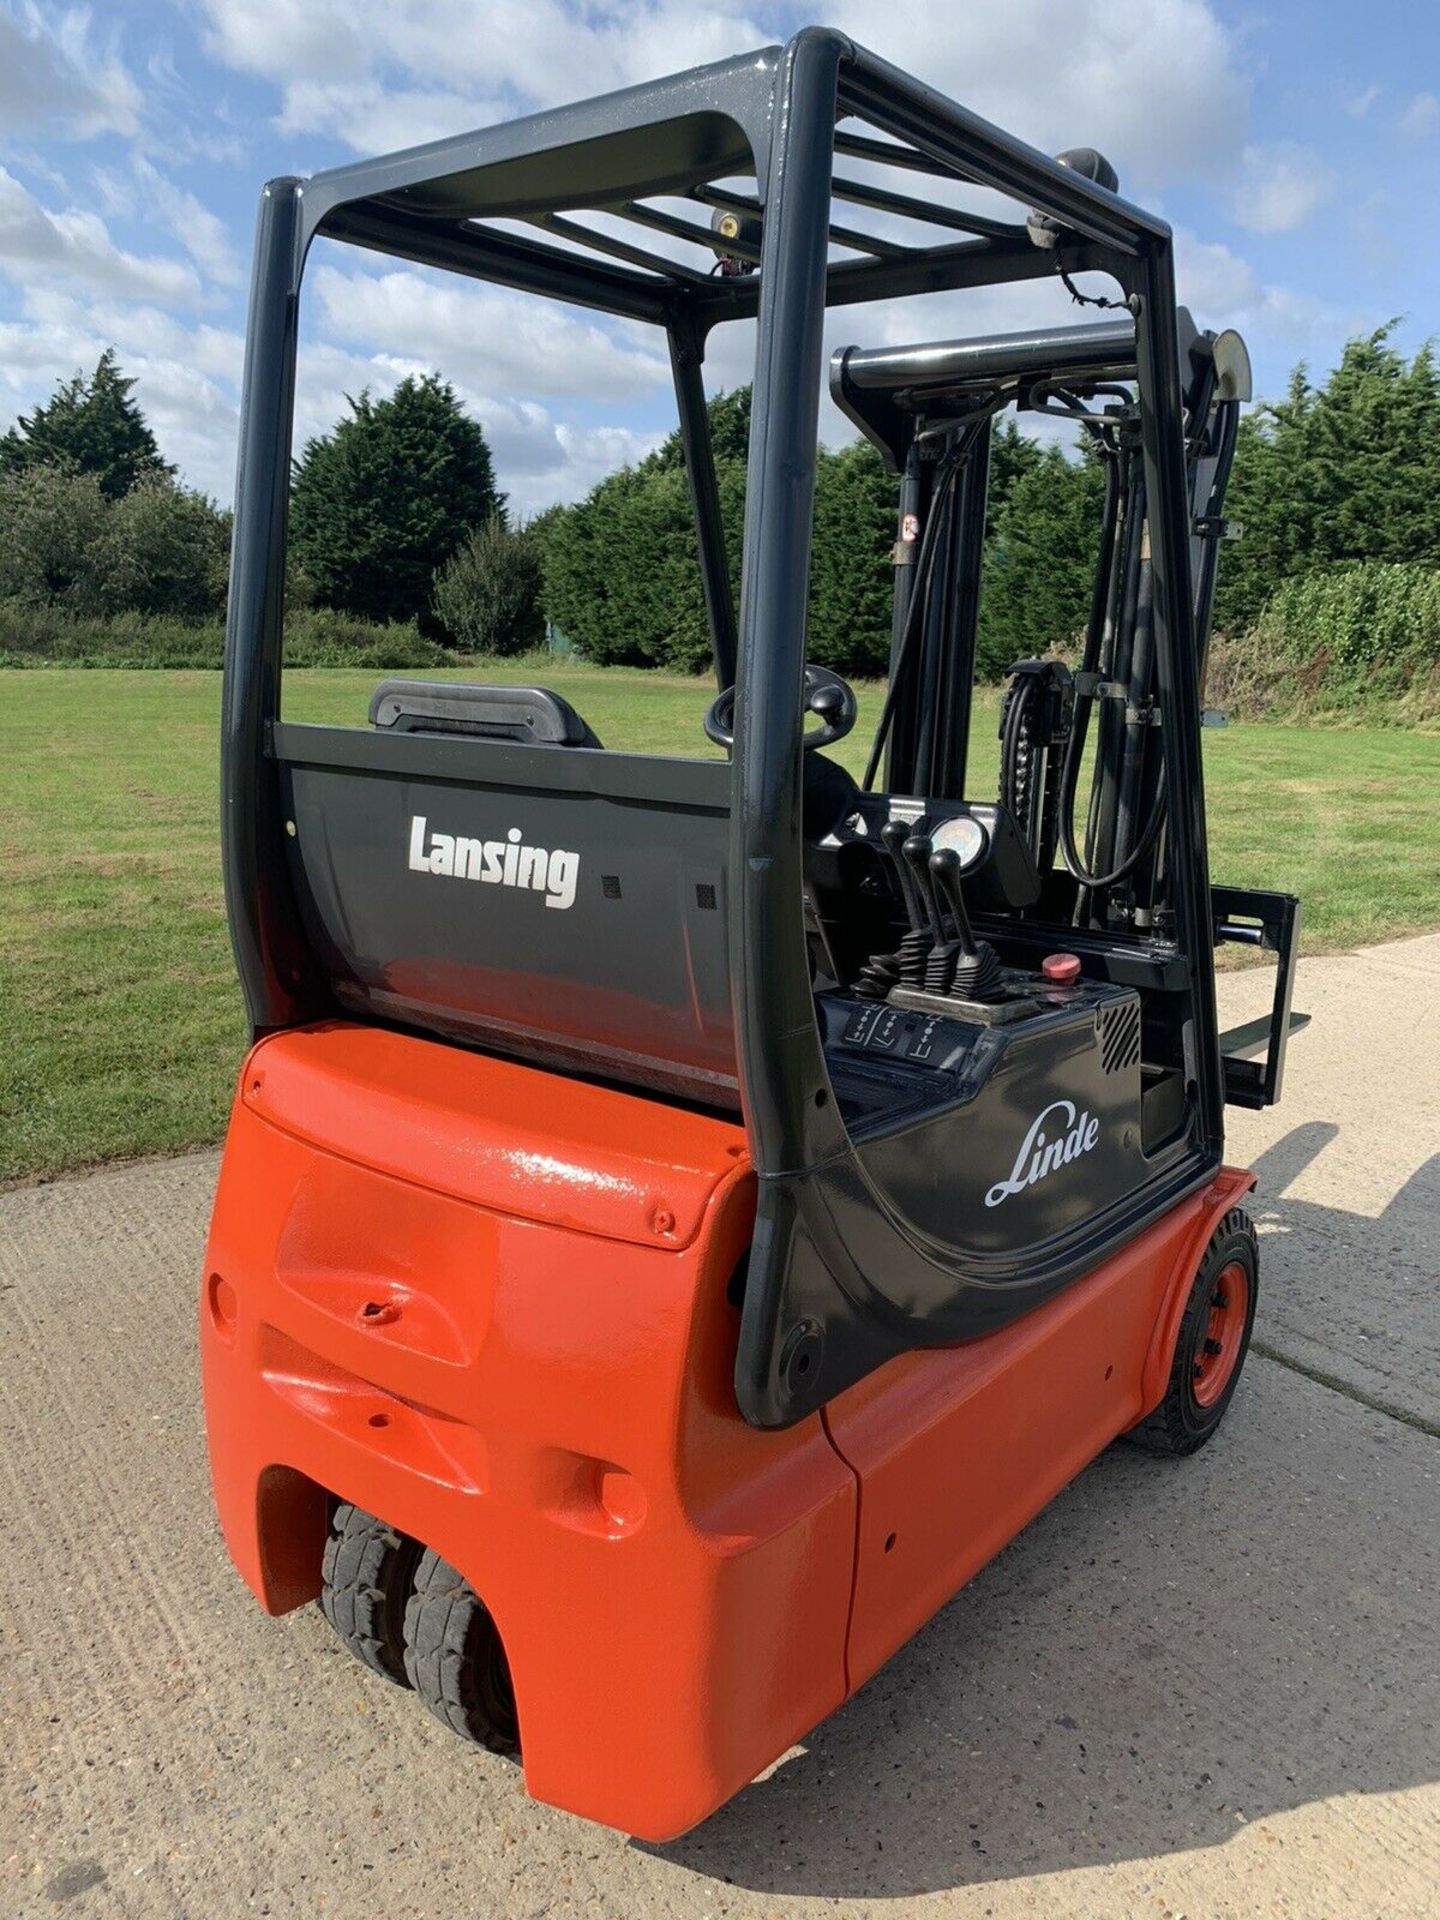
919 600
1105 584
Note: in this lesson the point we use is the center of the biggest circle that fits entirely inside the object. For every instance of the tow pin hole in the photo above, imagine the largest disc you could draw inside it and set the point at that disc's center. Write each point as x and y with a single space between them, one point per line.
379 1420
890 1543
378 1313
1108 1372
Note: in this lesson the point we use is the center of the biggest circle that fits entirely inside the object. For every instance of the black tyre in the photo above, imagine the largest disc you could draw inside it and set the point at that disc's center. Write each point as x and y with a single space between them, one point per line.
455 1660
1214 1339
366 1580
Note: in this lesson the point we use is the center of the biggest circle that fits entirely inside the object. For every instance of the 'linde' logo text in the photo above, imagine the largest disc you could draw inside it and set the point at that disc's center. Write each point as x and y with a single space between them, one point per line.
1038 1158
497 863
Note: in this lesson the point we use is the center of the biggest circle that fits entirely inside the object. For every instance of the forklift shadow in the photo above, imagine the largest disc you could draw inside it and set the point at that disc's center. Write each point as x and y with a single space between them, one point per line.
1414 1206
1171 1651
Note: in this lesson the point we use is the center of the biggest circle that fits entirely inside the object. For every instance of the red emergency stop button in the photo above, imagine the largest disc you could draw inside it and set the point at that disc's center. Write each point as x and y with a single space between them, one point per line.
1061 969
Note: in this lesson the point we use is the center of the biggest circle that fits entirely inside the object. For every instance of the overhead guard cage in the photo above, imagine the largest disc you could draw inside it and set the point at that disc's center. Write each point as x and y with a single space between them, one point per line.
508 205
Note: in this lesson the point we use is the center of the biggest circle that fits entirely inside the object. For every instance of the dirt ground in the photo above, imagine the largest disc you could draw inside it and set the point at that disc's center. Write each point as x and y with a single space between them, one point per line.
1189 1691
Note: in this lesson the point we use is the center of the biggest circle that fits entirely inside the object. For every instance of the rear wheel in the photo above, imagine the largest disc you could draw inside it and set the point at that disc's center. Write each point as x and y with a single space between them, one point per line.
455 1660
366 1578
1214 1339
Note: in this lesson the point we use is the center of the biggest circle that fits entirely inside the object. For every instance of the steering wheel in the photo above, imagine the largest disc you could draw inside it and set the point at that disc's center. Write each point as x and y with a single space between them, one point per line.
826 695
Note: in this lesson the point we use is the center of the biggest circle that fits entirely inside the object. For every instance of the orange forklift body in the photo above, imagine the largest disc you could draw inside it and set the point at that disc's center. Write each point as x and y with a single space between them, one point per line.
493 1305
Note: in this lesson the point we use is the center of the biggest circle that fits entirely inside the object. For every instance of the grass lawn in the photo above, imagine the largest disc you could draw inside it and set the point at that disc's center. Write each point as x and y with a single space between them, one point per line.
120 1022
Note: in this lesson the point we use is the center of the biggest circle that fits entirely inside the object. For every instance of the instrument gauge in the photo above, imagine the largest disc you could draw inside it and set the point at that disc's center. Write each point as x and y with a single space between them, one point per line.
968 838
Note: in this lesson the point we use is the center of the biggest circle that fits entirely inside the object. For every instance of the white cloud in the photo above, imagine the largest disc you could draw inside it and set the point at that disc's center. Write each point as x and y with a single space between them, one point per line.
1223 290
1159 85
203 236
1421 119
1281 186
72 244
417 69
541 456
54 80
1156 84
477 334
1361 103
185 376
372 117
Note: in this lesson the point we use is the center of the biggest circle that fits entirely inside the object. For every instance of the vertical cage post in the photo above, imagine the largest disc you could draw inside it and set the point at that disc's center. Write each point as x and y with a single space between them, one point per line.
1162 428
270 953
791 1118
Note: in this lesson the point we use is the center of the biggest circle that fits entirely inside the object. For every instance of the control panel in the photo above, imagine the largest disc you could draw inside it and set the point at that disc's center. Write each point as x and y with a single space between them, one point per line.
898 1033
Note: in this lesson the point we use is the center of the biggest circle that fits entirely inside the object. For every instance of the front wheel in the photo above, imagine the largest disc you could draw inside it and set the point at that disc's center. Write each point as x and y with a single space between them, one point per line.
1214 1339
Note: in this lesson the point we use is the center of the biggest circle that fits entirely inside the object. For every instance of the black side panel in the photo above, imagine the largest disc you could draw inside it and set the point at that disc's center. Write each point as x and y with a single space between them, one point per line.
1018 1165
565 906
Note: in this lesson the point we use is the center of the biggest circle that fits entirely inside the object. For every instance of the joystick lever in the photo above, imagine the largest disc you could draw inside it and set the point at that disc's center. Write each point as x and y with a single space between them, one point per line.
906 966
975 971
894 834
941 956
945 872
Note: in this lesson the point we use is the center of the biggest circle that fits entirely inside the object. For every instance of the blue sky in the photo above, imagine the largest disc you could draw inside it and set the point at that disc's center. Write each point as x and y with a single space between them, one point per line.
1295 148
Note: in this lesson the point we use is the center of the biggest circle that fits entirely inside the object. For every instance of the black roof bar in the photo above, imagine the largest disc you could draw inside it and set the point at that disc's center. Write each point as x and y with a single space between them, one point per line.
872 243
484 254
619 249
964 143
856 146
930 211
671 223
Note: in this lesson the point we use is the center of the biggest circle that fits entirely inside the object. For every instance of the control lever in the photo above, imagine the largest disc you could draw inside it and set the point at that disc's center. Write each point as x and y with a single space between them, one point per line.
975 969
915 947
941 957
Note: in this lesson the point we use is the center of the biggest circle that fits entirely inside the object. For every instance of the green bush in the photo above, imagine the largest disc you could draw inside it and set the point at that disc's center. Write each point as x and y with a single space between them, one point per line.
1360 637
163 550
621 571
487 594
51 524
320 637
43 636
158 549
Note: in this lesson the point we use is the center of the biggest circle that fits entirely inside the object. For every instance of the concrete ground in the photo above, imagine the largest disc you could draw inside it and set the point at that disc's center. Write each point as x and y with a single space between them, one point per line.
1189 1691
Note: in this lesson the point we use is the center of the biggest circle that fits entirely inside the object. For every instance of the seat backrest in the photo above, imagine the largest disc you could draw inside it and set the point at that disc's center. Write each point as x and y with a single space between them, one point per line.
565 907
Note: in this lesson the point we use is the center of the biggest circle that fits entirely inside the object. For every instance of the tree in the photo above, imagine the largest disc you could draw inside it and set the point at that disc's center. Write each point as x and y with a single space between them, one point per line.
90 426
1040 563
383 500
622 571
1012 455
487 595
852 574
51 523
729 417
621 567
163 550
1335 474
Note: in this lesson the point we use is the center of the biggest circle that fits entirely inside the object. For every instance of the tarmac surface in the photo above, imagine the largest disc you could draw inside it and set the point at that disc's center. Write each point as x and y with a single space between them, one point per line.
1189 1691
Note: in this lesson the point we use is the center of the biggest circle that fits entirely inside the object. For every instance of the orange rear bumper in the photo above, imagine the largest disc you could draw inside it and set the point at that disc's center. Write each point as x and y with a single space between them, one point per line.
490 1305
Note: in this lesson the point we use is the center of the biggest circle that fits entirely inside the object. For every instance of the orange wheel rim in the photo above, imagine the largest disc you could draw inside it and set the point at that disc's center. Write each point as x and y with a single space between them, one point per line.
1218 1352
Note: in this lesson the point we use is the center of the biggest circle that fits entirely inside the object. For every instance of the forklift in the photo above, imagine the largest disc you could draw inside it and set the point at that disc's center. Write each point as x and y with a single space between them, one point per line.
680 1218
